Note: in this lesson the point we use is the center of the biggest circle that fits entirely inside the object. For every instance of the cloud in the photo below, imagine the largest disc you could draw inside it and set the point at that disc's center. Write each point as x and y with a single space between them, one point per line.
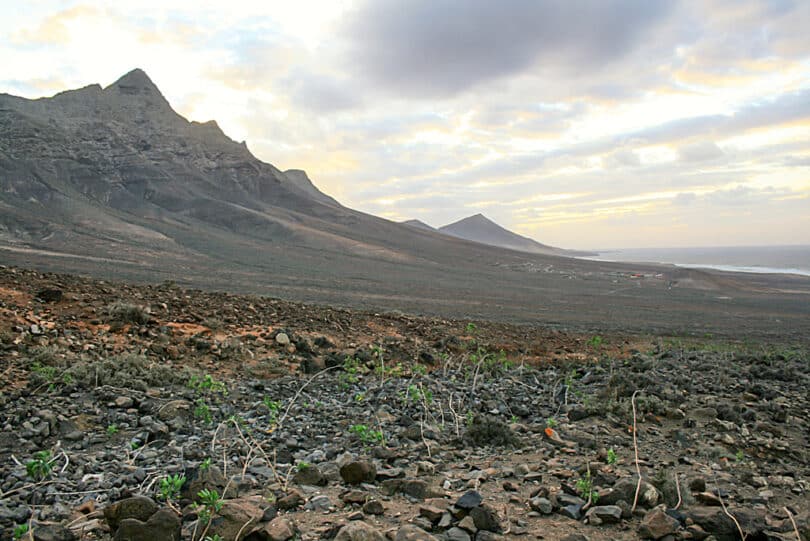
320 93
700 152
439 48
54 29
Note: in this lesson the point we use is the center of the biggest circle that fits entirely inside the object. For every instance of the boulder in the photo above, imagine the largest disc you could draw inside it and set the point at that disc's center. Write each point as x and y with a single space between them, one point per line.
163 525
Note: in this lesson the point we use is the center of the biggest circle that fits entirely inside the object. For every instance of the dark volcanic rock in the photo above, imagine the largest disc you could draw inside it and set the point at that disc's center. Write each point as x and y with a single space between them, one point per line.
469 500
138 507
164 525
358 471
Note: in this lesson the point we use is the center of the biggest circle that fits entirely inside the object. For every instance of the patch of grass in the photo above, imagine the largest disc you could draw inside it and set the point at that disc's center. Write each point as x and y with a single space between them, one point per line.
273 409
40 466
485 431
112 429
415 394
585 488
206 384
611 456
302 465
20 530
202 411
124 312
367 435
596 342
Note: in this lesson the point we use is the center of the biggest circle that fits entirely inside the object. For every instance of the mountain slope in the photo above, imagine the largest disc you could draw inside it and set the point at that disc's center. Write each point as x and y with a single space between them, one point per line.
113 183
479 228
419 224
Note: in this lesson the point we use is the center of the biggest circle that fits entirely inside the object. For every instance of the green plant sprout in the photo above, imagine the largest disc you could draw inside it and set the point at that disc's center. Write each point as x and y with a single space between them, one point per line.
367 435
40 466
170 487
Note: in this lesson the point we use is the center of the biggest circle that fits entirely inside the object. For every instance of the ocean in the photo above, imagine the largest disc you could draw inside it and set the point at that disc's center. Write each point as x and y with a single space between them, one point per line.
760 259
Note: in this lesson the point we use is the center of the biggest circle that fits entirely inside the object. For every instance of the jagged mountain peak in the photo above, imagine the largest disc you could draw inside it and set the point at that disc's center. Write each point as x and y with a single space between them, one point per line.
136 78
137 87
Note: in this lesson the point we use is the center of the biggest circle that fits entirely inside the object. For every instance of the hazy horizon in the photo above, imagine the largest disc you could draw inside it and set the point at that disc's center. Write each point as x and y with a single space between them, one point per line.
678 123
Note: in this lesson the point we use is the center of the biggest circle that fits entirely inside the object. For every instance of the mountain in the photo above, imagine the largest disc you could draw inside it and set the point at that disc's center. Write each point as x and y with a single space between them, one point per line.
113 183
419 224
479 228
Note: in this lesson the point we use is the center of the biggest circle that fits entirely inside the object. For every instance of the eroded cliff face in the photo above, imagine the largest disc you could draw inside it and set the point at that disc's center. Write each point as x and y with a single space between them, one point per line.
125 147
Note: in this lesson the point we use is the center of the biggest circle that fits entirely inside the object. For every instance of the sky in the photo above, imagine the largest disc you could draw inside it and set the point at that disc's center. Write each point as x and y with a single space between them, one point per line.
579 123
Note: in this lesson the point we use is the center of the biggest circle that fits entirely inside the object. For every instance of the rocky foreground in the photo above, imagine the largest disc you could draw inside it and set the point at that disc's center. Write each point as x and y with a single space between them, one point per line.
158 413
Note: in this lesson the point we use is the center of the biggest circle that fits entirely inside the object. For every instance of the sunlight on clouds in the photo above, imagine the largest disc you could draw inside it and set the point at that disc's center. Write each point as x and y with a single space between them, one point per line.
696 132
58 28
770 135
657 154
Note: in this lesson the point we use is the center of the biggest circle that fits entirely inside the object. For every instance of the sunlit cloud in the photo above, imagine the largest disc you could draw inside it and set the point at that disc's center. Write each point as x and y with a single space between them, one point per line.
677 123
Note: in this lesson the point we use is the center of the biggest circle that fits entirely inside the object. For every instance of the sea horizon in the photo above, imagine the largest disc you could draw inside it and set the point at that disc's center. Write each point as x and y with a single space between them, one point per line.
785 259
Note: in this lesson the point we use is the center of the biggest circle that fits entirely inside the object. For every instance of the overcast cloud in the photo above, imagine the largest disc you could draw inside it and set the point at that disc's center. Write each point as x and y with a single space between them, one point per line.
583 123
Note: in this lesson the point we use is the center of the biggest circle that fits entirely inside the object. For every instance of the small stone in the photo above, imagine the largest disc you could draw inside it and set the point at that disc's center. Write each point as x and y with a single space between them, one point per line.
124 402
485 519
541 505
467 524
359 531
309 475
50 531
163 525
358 471
657 524
320 502
433 514
608 514
278 529
457 534
282 339
138 507
373 507
292 500
698 484
355 496
469 500
409 532
573 511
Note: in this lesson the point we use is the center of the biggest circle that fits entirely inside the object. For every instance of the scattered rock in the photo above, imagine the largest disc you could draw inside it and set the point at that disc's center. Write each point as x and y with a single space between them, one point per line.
657 524
163 525
278 529
469 500
359 531
137 507
409 532
358 471
607 514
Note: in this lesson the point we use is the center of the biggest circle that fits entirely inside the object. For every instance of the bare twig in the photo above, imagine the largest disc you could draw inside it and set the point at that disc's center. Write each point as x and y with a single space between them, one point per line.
245 525
88 516
795 528
728 514
678 488
635 449
300 390
422 433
